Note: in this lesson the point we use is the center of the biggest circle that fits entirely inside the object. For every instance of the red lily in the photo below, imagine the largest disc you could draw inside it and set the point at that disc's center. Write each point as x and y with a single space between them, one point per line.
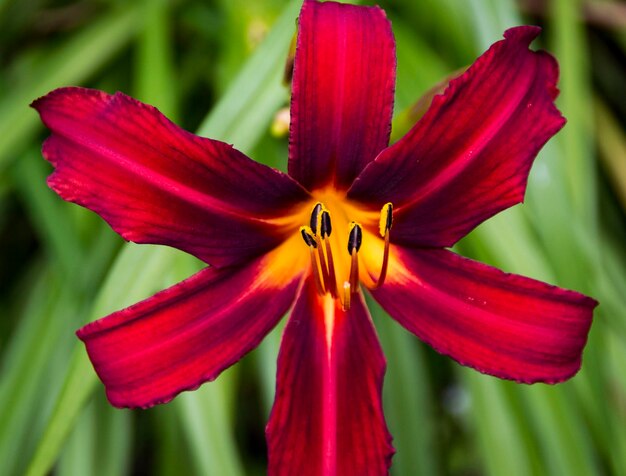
353 213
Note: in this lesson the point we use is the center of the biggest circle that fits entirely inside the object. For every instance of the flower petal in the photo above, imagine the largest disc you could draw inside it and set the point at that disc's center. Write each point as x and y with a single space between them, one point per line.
342 99
500 324
327 417
156 183
469 157
188 334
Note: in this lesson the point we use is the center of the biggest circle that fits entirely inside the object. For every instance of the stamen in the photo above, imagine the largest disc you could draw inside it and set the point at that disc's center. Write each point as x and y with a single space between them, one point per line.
354 271
332 284
311 242
355 237
383 268
325 231
316 217
325 227
308 236
320 222
386 220
320 225
316 272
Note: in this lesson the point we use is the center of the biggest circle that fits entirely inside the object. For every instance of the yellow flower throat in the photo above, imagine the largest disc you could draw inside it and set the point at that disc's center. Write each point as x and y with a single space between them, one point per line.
341 243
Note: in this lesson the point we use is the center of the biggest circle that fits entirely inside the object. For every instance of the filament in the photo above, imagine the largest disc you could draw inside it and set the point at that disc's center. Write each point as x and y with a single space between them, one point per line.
312 242
384 227
346 296
331 268
316 272
383 269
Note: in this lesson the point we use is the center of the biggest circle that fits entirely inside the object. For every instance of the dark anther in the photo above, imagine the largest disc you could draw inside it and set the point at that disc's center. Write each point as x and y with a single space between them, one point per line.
307 237
355 237
325 228
315 215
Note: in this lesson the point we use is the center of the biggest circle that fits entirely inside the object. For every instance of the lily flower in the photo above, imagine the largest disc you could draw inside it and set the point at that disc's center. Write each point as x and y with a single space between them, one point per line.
353 215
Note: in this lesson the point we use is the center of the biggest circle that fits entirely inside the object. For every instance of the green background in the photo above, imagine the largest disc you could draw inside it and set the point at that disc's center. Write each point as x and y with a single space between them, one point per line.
216 67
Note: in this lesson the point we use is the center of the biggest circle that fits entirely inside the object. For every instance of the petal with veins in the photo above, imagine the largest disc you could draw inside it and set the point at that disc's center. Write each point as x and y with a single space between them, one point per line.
500 324
327 417
342 99
188 334
153 182
469 156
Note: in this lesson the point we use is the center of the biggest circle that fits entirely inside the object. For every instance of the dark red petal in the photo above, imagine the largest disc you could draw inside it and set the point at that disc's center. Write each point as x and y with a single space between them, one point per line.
469 157
327 417
183 336
500 324
156 183
342 99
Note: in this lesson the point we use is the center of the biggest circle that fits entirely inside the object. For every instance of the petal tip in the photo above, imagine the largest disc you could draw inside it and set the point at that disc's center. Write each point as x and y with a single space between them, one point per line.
500 324
523 33
40 103
80 333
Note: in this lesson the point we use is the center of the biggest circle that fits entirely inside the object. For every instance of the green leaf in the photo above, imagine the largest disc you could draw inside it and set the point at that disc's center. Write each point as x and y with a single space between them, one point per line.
503 438
570 47
73 63
243 114
156 77
407 398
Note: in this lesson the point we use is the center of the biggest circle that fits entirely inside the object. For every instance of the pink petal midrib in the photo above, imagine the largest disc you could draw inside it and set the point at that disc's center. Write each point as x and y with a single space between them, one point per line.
329 414
340 89
463 161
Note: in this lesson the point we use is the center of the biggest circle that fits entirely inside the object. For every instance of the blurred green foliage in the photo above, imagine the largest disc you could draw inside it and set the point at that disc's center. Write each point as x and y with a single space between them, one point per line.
216 66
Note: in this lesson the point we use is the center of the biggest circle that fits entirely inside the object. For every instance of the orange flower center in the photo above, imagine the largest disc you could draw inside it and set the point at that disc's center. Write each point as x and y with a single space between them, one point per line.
342 242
